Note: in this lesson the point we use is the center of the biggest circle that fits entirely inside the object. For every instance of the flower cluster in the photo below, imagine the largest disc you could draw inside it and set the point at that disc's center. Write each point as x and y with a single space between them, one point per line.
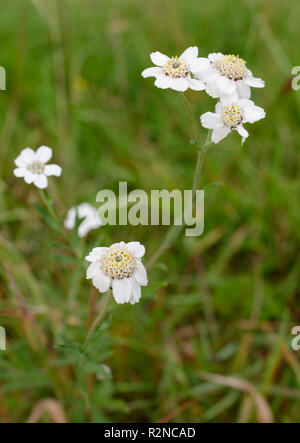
225 77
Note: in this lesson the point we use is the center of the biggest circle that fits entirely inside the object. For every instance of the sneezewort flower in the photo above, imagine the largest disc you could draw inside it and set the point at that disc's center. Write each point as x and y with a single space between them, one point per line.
32 166
89 215
178 73
228 75
231 116
119 267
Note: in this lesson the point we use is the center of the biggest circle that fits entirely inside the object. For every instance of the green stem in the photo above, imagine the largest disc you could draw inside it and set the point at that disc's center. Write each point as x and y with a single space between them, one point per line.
97 320
174 231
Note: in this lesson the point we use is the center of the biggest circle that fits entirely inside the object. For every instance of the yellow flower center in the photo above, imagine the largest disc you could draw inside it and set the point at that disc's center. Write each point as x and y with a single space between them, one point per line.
118 262
232 115
232 66
36 167
176 68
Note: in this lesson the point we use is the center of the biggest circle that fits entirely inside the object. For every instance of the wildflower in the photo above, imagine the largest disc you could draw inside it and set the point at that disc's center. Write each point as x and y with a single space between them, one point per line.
228 75
231 116
178 73
88 213
32 166
119 267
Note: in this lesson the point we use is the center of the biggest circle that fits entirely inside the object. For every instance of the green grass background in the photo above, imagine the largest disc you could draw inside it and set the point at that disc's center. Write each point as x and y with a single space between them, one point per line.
223 303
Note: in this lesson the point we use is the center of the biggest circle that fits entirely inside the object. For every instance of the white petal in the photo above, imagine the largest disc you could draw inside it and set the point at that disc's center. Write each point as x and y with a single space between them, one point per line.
29 177
136 292
226 85
212 90
93 269
27 155
199 64
121 290
190 54
101 282
140 274
40 181
20 172
219 133
195 84
95 254
254 82
20 162
163 81
43 154
158 58
243 89
242 131
53 170
179 84
151 72
210 120
136 248
214 56
253 113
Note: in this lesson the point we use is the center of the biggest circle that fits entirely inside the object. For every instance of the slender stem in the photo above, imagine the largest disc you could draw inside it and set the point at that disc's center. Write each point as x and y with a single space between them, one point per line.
174 231
97 320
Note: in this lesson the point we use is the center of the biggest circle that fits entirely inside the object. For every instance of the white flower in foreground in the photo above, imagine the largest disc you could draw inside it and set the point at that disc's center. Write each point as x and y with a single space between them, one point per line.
178 73
32 166
231 116
119 267
83 211
228 75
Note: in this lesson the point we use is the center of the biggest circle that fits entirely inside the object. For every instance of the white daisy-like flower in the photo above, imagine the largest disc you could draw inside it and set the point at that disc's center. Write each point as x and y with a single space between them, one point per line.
231 116
119 267
32 166
178 73
83 211
228 75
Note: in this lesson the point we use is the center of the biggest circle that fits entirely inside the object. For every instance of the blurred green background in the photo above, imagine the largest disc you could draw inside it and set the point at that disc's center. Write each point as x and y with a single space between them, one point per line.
223 303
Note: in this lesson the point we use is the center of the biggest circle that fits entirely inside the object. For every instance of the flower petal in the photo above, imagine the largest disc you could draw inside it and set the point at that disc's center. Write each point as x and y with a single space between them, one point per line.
199 64
253 113
226 85
53 170
20 172
151 72
140 274
179 84
43 154
101 282
136 292
254 82
27 155
242 131
40 181
120 290
210 120
219 133
214 56
243 89
29 177
190 54
158 58
93 269
20 162
195 84
163 81
136 248
95 254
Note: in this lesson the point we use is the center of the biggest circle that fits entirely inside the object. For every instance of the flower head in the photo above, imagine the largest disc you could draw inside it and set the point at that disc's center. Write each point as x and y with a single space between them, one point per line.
228 75
178 73
231 115
119 267
88 213
32 166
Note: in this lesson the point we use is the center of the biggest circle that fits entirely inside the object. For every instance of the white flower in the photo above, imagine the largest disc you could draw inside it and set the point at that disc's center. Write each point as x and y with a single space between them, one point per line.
228 75
178 73
119 267
231 116
32 166
88 213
